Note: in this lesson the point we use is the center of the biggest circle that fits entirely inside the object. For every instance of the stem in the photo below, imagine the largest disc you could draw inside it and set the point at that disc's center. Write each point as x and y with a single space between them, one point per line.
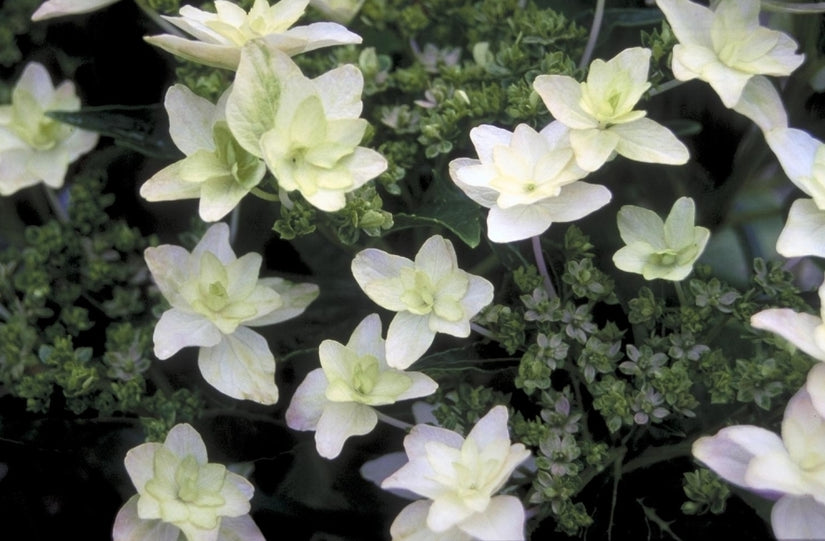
680 293
793 7
392 421
487 333
617 475
542 266
158 20
594 34
266 196
661 89
654 455
59 212
233 223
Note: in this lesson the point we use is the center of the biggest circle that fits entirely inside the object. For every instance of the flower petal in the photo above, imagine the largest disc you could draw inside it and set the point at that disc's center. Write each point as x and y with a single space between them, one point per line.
408 338
130 527
561 95
761 103
503 519
730 452
645 140
797 328
798 517
377 273
308 402
60 8
804 231
176 330
339 421
183 440
241 366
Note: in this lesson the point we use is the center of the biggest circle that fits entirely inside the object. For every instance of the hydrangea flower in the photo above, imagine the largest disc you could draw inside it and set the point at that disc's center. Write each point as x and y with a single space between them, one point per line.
805 331
61 8
657 249
790 468
180 492
726 47
600 113
34 147
527 179
341 11
461 477
215 298
336 400
306 130
220 36
802 157
217 170
430 294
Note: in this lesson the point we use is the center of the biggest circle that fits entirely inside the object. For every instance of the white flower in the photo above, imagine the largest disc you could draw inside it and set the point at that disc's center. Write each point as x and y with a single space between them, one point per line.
792 466
179 491
306 130
61 8
802 157
726 47
601 116
430 294
220 36
34 147
215 297
657 249
216 169
805 331
461 477
527 179
337 399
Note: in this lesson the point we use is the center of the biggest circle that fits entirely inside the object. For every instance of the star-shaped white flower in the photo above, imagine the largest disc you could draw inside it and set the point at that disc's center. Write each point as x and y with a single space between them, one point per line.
461 478
306 130
430 294
727 46
216 169
527 179
600 113
805 331
792 466
220 36
336 400
34 147
179 491
215 297
657 249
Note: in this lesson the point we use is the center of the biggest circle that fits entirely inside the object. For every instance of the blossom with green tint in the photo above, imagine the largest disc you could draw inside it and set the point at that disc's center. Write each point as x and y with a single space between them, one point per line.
61 8
337 400
527 179
306 130
341 11
461 478
657 249
430 294
33 146
180 492
220 36
726 46
216 170
215 298
601 116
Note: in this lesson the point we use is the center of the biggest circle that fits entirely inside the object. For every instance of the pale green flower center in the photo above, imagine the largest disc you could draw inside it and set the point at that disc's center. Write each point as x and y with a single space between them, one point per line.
245 168
419 293
31 124
212 299
365 375
366 383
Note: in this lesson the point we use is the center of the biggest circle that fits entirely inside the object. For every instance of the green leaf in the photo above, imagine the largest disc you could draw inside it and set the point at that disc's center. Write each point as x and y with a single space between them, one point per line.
446 206
632 17
141 128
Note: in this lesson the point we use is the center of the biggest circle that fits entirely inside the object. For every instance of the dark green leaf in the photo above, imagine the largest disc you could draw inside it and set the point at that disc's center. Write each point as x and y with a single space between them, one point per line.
141 128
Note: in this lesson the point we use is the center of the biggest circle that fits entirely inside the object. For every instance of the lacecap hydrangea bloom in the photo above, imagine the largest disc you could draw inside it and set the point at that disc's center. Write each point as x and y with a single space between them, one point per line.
215 298
216 170
430 294
657 249
790 468
307 130
34 147
527 179
726 46
220 36
601 116
180 492
460 477
337 400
